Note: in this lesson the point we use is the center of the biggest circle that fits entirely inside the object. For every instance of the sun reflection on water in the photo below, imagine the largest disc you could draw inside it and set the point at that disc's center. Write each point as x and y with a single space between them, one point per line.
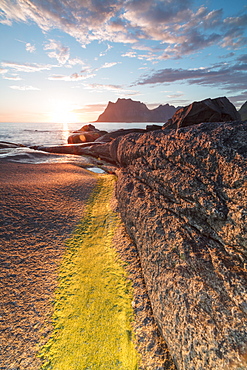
65 133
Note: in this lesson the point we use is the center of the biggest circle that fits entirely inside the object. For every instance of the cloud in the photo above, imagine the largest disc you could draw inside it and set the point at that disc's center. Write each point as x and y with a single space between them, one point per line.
159 12
234 37
76 61
229 55
106 65
12 78
59 51
102 87
177 27
195 41
26 67
242 58
114 88
73 77
3 70
177 94
24 88
109 65
103 53
229 77
30 48
130 54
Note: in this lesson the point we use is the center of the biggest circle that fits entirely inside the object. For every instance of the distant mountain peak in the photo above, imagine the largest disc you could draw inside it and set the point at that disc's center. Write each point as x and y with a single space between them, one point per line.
128 110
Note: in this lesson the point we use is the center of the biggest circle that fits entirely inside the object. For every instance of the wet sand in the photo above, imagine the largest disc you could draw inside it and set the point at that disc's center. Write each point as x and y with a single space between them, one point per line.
39 207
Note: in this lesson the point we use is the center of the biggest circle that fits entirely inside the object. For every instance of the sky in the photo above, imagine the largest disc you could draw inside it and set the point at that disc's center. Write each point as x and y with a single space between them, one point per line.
62 61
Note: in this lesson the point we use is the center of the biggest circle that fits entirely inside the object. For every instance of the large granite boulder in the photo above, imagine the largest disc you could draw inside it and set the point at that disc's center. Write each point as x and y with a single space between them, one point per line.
108 137
208 110
182 195
87 128
98 150
87 133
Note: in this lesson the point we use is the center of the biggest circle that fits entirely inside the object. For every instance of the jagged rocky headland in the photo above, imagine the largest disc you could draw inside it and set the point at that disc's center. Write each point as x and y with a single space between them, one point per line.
128 110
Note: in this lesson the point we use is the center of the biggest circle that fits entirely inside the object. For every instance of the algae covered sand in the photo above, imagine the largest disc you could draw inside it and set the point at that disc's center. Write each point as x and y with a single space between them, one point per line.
92 308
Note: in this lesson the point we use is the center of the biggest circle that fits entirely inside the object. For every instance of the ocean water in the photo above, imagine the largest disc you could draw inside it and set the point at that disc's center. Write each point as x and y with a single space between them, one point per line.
37 134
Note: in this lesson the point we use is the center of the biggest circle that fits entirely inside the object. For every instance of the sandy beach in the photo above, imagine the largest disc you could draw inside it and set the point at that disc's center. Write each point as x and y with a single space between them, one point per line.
40 206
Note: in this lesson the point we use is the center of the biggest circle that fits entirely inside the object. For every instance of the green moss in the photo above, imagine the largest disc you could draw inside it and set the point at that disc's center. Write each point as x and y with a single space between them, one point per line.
92 311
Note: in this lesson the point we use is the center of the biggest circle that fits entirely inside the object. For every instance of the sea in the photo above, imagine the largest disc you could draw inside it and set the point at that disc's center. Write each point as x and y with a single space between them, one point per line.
47 134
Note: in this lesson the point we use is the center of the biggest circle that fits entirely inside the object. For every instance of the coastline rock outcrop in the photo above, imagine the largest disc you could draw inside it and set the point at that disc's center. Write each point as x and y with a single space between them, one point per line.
97 148
182 195
7 144
128 110
208 110
87 133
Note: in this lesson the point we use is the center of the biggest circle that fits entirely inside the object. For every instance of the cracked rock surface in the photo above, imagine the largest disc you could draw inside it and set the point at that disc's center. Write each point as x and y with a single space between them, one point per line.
182 197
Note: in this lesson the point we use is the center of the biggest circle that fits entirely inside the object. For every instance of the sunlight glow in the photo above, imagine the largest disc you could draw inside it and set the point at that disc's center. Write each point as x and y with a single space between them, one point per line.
66 132
62 112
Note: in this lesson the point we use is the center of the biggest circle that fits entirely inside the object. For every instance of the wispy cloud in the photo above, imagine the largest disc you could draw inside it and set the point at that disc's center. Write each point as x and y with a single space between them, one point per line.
106 65
173 25
73 77
114 88
12 78
176 95
76 61
3 70
23 88
26 67
130 54
102 87
103 53
58 51
229 77
109 65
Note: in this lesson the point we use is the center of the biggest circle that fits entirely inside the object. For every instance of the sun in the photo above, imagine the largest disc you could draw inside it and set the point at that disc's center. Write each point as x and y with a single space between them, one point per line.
62 112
